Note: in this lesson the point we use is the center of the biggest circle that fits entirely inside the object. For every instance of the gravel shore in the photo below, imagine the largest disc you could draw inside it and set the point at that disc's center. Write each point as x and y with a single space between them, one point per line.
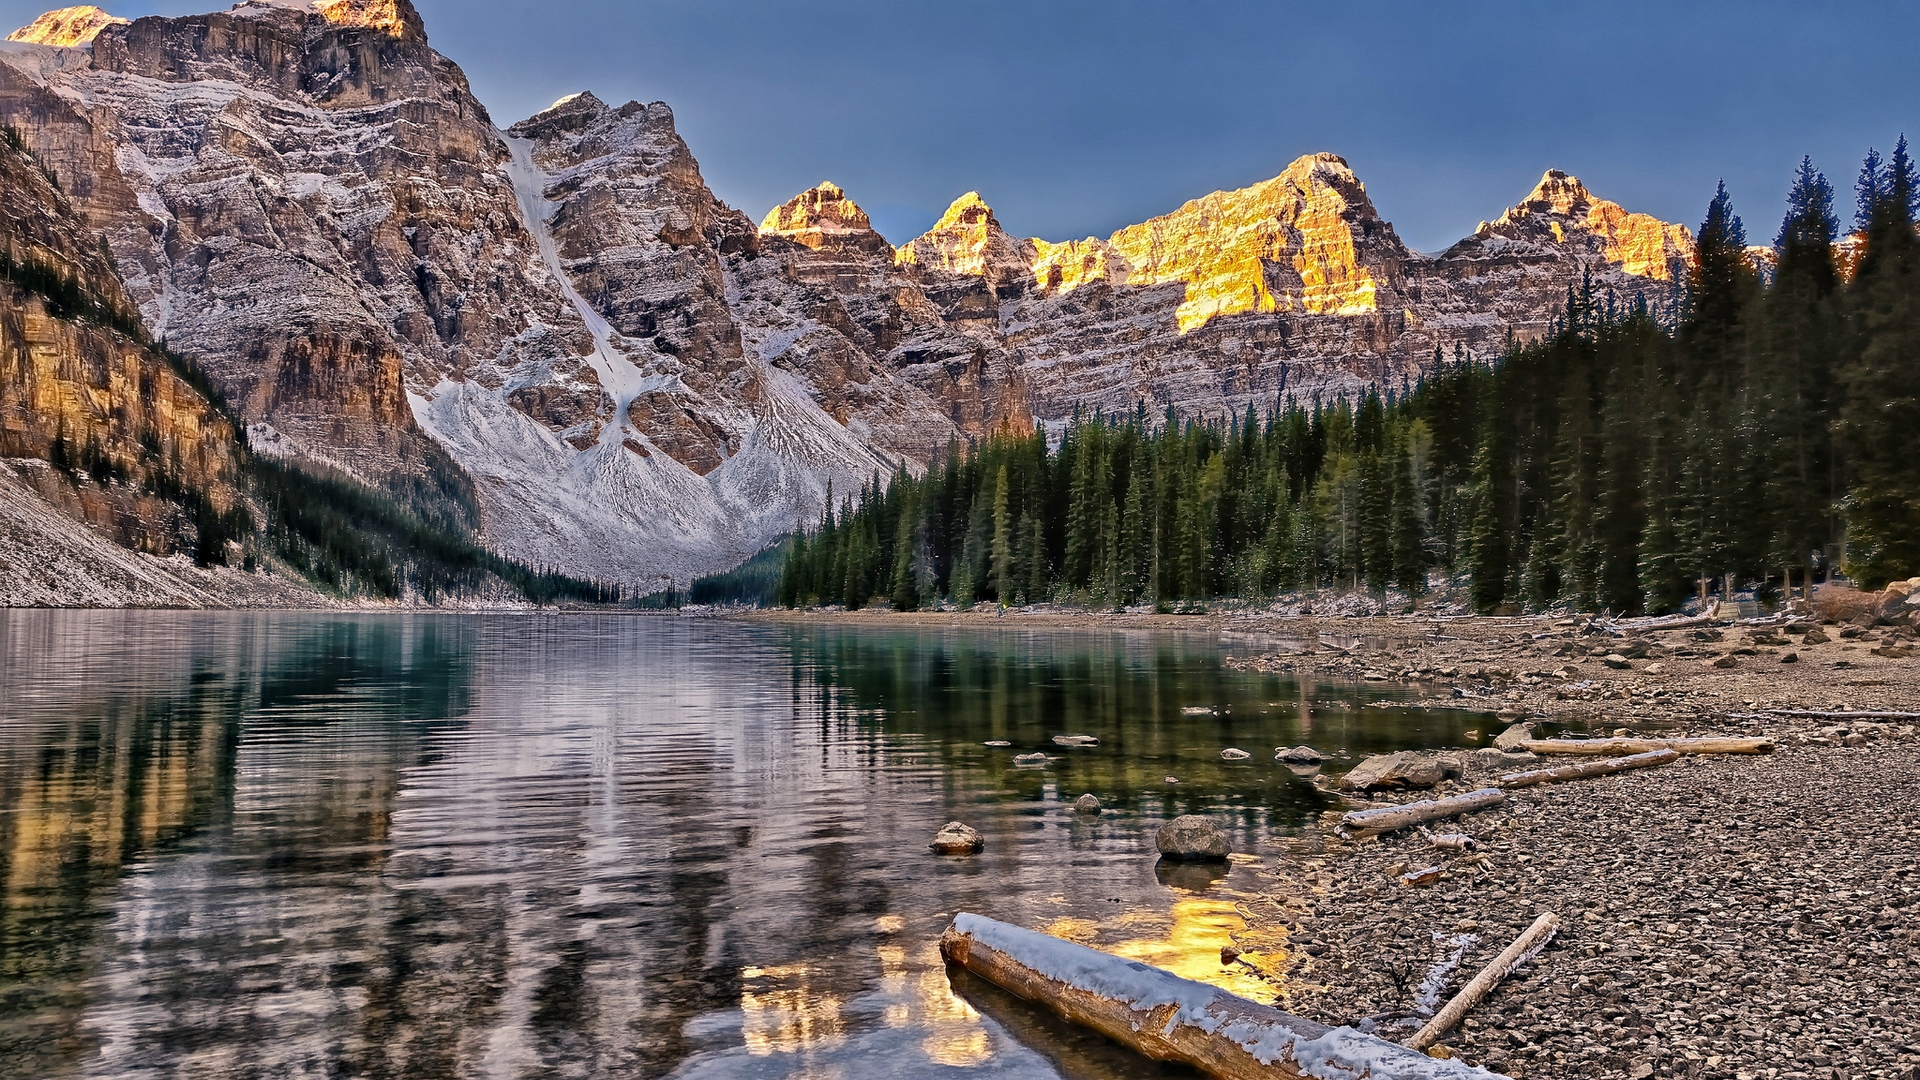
1737 917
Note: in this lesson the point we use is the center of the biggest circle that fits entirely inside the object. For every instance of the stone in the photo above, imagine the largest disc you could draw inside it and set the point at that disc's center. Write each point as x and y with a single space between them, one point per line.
1087 804
1192 838
1405 769
1513 736
1233 753
1617 661
1815 636
1030 759
957 838
1298 755
1075 741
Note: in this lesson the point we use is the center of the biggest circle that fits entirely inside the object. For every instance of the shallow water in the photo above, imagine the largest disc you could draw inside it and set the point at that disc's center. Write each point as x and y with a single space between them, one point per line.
303 845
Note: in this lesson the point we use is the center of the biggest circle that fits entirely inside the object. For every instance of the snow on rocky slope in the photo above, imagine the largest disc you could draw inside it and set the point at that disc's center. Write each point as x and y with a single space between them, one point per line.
636 381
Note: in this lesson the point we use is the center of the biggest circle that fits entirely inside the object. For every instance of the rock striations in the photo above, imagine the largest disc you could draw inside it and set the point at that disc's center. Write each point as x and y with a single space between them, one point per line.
560 323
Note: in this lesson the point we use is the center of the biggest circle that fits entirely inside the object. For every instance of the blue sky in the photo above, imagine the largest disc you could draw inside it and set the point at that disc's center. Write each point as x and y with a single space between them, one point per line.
1074 117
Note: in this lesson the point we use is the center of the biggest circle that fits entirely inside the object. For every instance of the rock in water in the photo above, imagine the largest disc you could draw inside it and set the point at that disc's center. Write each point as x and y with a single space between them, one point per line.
1075 740
1402 770
1233 753
1029 759
955 838
1087 804
1511 738
1192 838
1298 755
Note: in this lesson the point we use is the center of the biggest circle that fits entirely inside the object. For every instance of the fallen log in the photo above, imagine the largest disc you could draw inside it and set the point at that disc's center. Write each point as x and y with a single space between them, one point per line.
1164 1017
1526 945
1621 747
1581 770
1386 819
1815 714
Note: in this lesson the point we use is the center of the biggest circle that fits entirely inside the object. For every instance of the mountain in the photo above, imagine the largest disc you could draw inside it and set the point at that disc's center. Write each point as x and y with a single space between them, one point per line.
554 337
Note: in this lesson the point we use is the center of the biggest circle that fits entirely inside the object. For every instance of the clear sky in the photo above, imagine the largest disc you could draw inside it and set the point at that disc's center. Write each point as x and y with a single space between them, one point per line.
1074 117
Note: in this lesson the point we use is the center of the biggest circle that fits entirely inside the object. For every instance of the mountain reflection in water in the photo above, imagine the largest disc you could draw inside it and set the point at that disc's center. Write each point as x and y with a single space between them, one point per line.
285 844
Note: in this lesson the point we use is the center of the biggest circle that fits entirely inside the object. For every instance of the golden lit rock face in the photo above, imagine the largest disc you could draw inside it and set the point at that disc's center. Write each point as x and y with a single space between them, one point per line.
1290 244
396 18
67 27
1059 268
968 240
1639 244
1306 242
824 219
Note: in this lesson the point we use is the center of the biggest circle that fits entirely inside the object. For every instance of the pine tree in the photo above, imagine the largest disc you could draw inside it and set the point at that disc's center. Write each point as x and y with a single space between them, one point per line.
1002 548
1881 413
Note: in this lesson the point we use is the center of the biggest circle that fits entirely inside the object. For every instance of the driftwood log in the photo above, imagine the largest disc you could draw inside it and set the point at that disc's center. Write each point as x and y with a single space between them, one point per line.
1387 819
1162 1016
1621 747
1580 770
1815 714
1531 941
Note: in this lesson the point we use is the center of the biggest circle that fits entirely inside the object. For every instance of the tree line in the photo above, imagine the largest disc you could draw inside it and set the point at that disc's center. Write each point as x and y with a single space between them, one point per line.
1767 431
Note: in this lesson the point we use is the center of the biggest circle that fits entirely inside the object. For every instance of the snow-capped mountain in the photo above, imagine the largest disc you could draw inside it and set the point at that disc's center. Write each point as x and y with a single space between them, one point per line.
560 323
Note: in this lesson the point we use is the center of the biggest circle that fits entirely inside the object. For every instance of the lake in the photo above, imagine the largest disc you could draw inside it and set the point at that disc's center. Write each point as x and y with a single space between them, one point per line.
316 845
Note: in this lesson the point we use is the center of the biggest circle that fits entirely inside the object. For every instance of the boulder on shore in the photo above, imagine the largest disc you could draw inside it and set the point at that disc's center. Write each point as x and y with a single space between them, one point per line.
1512 737
1192 838
956 838
1405 769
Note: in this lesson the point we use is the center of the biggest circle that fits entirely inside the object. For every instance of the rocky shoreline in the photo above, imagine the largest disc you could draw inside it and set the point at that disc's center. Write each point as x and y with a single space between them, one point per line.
1740 917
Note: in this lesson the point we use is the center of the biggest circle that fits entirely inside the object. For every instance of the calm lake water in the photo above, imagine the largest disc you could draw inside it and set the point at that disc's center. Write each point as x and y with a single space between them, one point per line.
309 845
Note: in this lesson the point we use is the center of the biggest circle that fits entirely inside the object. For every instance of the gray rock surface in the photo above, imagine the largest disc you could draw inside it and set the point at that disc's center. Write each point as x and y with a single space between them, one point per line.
957 838
1406 769
1192 838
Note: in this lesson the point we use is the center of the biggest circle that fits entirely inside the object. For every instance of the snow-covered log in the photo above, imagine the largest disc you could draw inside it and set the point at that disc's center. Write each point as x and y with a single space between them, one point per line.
1583 769
1387 819
1167 1018
1620 747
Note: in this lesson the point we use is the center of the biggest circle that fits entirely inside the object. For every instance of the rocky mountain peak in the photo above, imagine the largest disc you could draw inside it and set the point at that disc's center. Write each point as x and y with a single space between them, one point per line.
572 113
1559 193
824 219
1560 213
968 240
68 27
395 18
1308 240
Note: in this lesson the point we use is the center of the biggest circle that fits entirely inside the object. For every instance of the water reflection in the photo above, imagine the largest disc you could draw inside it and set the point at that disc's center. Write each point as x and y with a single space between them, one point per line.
305 845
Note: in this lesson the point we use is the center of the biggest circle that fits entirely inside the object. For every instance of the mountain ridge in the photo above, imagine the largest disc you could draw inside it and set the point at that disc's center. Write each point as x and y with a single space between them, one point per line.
635 380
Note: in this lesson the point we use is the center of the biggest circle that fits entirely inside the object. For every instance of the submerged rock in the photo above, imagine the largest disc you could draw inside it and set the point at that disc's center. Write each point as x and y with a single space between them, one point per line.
956 838
1087 804
1192 838
1233 753
1029 759
1075 740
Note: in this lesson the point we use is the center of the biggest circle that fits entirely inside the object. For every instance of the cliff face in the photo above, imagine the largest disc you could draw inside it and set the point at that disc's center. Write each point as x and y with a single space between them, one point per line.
78 392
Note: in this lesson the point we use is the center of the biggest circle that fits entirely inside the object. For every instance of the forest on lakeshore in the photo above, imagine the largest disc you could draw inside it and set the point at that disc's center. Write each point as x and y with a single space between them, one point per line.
1766 432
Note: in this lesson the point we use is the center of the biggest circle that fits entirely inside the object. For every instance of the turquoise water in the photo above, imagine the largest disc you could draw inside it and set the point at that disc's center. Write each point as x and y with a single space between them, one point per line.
311 845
